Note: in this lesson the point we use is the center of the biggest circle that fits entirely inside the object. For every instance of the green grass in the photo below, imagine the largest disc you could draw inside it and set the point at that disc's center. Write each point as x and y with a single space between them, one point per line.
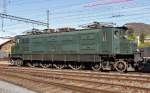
148 36
144 45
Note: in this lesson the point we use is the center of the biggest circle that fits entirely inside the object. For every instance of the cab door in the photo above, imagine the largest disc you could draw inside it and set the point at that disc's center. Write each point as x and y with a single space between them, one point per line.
116 41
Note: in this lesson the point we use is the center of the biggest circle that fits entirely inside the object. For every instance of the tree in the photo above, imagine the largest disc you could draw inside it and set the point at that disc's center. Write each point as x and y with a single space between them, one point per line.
131 34
142 37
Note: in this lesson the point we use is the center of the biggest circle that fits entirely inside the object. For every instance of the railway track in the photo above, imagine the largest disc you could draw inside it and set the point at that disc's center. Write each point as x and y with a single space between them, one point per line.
58 84
80 80
121 84
36 85
132 74
121 80
72 86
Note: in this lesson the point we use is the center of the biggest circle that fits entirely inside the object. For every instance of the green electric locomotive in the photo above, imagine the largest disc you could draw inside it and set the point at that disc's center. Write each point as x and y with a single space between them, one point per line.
100 49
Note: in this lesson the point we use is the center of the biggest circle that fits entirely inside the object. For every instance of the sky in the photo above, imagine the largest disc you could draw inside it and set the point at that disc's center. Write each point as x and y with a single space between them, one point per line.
72 13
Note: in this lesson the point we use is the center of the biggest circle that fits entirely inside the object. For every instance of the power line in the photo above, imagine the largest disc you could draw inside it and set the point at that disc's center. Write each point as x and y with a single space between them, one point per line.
91 11
95 13
80 11
113 16
101 2
87 16
132 15
118 5
55 7
139 17
6 37
26 20
110 17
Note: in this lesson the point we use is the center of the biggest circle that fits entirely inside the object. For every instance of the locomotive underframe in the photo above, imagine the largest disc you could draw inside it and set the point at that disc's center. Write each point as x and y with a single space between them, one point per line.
98 61
73 57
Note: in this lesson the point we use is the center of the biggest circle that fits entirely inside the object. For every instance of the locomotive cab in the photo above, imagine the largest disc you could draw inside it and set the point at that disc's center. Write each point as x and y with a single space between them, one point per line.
121 44
133 54
125 51
15 56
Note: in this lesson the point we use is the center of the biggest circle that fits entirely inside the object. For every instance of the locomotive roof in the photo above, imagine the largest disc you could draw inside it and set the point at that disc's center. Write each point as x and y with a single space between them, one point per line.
55 33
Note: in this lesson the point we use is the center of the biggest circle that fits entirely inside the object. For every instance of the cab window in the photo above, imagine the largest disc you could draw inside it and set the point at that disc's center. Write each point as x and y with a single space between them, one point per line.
104 36
116 34
18 40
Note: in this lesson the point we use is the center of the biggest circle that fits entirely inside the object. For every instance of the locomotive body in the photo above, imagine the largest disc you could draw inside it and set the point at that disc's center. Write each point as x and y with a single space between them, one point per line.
101 49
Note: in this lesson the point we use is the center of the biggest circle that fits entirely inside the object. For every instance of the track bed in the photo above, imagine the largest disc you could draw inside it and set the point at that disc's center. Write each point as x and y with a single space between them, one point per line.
54 81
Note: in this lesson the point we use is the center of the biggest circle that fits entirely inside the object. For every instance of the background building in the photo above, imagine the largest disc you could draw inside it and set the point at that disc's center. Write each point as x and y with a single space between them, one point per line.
5 48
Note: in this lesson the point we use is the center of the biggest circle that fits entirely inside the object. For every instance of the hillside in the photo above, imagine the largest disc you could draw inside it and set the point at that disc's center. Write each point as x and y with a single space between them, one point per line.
139 27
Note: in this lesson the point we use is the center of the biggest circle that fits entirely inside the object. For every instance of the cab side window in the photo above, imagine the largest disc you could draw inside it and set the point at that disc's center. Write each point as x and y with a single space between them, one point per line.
116 34
18 41
104 36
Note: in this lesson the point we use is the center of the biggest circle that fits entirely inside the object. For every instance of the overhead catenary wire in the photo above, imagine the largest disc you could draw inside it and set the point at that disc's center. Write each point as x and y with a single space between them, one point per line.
69 16
101 2
71 11
125 17
105 13
99 16
77 17
84 12
26 20
102 15
54 7
125 20
79 10
109 17
58 7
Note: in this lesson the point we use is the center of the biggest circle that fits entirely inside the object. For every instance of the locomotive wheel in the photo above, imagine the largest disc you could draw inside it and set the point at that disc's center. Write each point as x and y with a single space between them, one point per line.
45 65
96 66
12 62
30 64
59 66
18 62
75 66
121 66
